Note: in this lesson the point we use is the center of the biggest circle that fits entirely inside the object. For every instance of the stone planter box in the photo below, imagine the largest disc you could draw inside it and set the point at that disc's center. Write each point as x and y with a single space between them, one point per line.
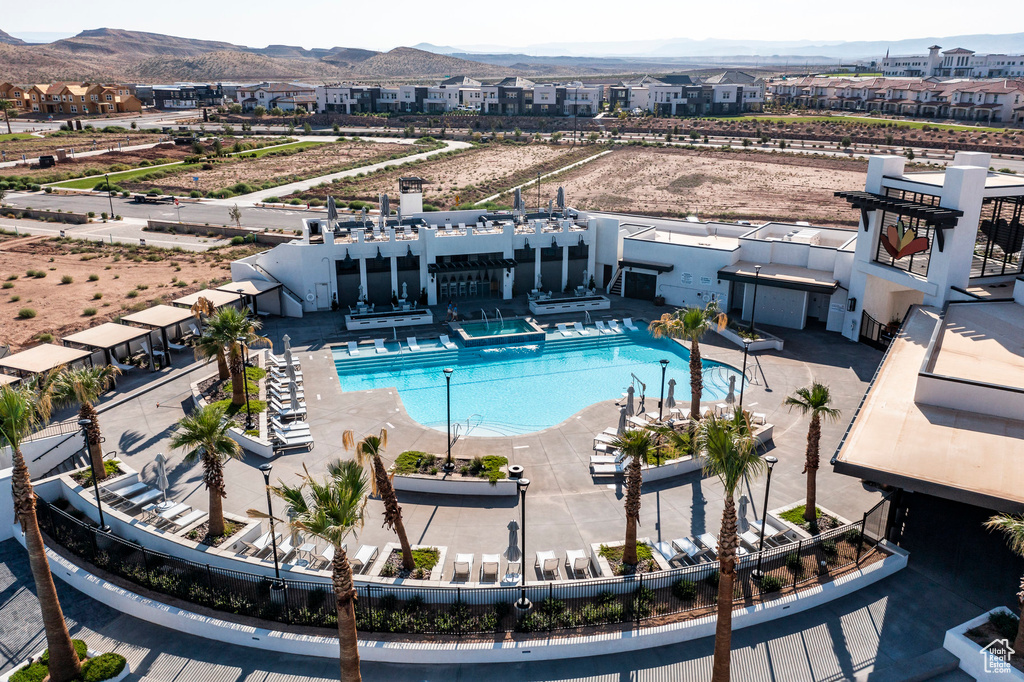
92 654
675 467
603 569
382 557
387 320
255 445
766 342
973 660
797 529
454 485
551 306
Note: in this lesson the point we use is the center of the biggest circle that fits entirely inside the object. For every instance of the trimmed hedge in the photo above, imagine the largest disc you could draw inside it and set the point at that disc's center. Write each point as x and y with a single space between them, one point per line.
103 667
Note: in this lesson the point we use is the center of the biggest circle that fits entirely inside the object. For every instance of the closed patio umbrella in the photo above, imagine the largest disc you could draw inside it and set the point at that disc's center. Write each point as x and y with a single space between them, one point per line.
629 401
293 395
560 201
290 368
670 399
385 208
332 211
731 398
512 553
517 200
622 420
287 342
162 484
288 357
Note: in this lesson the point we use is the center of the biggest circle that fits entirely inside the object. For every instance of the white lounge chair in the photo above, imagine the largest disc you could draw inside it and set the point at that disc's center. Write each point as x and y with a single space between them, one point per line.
353 348
378 345
287 412
463 566
299 440
283 394
188 519
513 572
120 366
614 458
194 329
581 329
290 426
614 326
282 375
284 550
143 499
145 349
490 564
563 330
628 324
577 561
363 558
688 548
447 343
547 562
413 345
280 361
607 469
601 328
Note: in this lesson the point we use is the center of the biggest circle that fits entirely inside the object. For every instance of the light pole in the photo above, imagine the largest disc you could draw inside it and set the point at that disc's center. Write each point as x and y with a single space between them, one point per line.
279 585
448 464
764 515
538 191
661 402
109 200
523 604
245 385
85 424
743 379
753 306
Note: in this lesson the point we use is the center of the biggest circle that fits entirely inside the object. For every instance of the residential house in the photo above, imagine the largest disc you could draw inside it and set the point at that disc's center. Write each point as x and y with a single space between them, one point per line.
270 95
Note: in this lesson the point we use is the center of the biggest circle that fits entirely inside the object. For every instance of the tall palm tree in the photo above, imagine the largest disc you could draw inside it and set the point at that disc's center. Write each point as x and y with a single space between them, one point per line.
370 448
330 509
204 434
816 400
635 444
19 414
690 324
207 346
729 454
1013 527
85 386
226 327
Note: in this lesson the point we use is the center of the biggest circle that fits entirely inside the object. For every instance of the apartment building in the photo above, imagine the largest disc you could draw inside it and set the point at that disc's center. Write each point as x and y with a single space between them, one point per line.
731 92
955 63
347 98
70 98
284 96
993 101
181 95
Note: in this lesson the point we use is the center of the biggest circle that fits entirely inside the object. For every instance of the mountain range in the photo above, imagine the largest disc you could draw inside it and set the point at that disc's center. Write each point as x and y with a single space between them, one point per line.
115 54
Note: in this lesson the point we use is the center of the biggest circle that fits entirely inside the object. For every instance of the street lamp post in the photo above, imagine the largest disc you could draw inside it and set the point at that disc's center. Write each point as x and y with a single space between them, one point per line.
743 379
448 464
523 604
753 306
109 200
661 401
85 424
279 585
764 515
245 384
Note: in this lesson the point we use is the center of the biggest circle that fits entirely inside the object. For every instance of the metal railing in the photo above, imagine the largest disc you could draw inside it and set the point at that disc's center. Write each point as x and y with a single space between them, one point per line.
461 611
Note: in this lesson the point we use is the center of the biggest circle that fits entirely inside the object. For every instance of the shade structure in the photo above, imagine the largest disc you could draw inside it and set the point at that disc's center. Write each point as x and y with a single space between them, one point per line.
105 336
42 358
670 399
629 401
217 297
250 287
162 484
158 316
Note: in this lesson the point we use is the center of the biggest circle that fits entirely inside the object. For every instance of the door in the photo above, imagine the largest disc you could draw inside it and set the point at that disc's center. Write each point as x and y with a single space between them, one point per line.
323 296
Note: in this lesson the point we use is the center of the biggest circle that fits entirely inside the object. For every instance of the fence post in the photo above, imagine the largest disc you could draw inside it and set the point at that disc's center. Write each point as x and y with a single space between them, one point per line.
636 603
145 566
458 618
369 599
551 595
287 608
860 541
800 555
209 579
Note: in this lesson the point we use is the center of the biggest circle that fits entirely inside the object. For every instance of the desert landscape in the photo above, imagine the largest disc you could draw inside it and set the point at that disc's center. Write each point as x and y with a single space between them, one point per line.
711 184
108 280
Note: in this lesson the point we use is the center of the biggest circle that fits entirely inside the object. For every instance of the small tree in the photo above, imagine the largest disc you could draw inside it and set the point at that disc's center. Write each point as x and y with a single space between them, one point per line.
260 111
306 128
300 111
7 107
816 401
218 146
635 444
235 108
276 111
846 142
235 215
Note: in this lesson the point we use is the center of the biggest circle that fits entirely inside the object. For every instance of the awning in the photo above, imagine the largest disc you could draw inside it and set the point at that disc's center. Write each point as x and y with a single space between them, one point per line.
462 266
158 316
782 277
105 336
215 296
937 216
642 265
250 287
43 358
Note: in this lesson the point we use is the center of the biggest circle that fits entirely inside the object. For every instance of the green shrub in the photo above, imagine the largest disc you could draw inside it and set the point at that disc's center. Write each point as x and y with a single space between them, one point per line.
80 648
27 313
36 672
97 296
769 583
426 557
796 515
103 667
66 279
8 285
132 294
237 240
684 590
44 337
89 312
829 549
11 278
794 563
15 298
1005 623
93 277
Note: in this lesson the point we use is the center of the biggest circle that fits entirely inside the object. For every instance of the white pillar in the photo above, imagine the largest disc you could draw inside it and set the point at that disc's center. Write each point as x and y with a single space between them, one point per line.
536 268
565 267
508 276
394 276
362 275
592 256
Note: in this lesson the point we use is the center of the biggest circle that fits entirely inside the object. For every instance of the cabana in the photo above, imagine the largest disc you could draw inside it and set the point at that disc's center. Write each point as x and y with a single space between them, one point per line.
44 358
263 296
165 319
218 298
108 338
6 379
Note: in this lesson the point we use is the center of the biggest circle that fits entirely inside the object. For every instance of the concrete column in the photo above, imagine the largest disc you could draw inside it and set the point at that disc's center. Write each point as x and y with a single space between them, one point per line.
362 274
536 265
565 267
508 276
394 276
592 257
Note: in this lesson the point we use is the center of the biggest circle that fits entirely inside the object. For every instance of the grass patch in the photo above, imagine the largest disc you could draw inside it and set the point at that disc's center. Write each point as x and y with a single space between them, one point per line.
15 136
123 176
883 122
230 410
488 467
643 552
84 477
426 557
796 515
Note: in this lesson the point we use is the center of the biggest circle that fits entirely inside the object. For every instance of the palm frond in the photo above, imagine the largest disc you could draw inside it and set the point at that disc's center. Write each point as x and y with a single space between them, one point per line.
729 452
1013 527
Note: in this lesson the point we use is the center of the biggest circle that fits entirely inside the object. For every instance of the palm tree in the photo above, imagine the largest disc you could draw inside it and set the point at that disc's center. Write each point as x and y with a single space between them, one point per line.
208 346
370 448
85 386
635 444
816 400
330 509
690 324
19 414
1013 527
7 107
729 454
204 433
226 327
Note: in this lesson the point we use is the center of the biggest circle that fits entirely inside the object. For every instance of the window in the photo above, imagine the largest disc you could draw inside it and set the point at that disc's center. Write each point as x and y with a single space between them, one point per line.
110 98
74 108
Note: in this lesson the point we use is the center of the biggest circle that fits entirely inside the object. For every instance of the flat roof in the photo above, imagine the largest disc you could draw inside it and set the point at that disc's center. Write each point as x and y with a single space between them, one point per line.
698 237
158 316
250 287
957 454
993 180
43 358
217 297
8 379
784 276
105 336
983 342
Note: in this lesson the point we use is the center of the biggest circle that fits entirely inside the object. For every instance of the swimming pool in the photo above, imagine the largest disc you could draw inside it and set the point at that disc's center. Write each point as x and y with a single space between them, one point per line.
519 389
496 328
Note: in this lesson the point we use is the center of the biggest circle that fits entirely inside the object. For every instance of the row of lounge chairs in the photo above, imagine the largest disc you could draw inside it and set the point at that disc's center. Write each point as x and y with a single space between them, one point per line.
285 421
611 328
412 342
141 498
703 548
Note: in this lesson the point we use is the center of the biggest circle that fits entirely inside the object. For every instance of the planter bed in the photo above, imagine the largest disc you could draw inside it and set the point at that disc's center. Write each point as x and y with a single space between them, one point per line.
604 566
960 642
765 341
426 475
250 442
393 549
125 670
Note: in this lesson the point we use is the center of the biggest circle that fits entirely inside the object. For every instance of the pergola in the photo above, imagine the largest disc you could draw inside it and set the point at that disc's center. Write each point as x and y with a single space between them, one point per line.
43 358
249 290
108 337
162 317
217 297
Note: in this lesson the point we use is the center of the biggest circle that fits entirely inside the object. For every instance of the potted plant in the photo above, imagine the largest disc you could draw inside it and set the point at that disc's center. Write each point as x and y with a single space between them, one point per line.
659 300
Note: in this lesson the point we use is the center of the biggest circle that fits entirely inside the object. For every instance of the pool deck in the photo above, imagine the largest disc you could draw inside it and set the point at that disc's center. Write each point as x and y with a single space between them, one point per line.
566 507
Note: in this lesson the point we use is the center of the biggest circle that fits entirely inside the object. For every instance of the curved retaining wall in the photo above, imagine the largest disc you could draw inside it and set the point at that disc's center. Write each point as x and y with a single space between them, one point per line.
449 652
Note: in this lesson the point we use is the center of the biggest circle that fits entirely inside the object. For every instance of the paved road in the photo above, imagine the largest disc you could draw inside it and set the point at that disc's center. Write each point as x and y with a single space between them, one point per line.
128 231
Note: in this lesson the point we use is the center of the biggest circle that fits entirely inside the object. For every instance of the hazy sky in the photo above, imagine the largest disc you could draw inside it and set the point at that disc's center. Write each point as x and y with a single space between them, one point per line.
381 26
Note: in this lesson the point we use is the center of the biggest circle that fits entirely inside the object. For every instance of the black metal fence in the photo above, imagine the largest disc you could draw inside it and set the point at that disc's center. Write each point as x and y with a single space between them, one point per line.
460 611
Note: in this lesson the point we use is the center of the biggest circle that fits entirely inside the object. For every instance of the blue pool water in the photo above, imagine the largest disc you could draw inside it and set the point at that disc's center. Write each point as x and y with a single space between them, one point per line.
519 389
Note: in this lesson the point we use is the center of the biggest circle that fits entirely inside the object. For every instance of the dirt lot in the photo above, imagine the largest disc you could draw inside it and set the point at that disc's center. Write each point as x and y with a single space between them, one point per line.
120 270
81 142
279 168
472 175
729 186
82 165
